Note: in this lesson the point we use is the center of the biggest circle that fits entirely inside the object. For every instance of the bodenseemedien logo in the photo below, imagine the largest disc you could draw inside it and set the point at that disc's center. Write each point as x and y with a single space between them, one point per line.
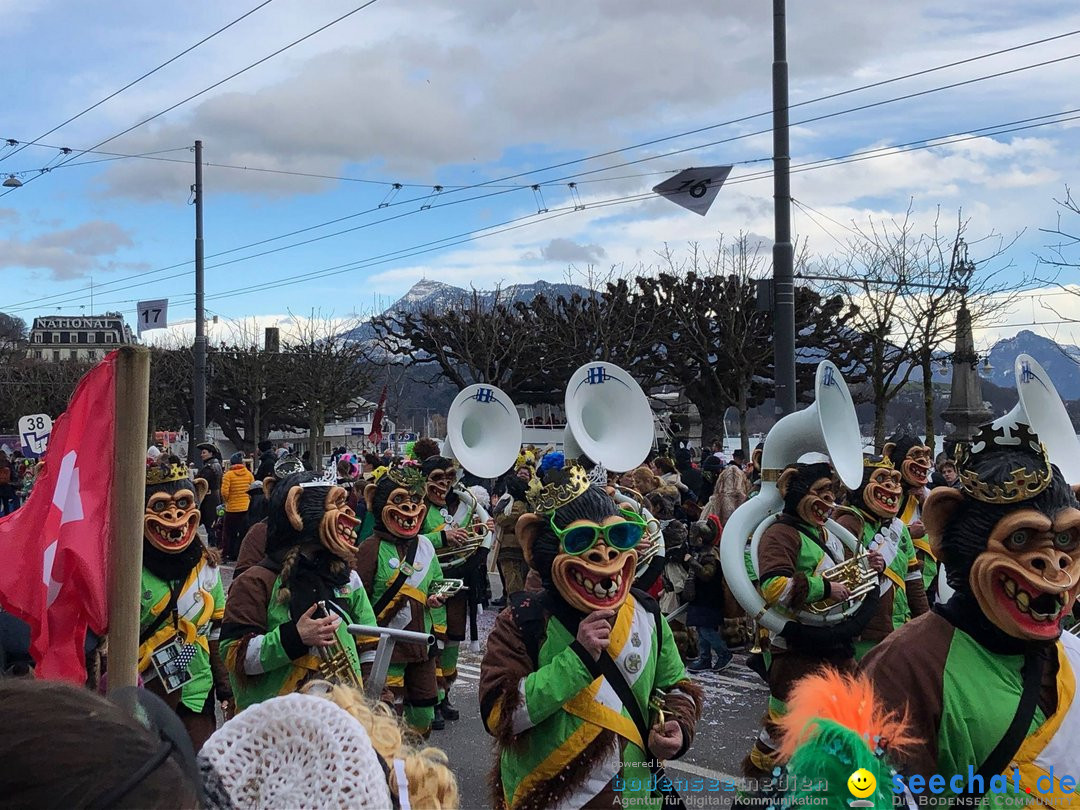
861 784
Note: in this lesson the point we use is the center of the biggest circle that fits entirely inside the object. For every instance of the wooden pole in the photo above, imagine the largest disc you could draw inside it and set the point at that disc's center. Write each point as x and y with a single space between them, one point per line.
128 505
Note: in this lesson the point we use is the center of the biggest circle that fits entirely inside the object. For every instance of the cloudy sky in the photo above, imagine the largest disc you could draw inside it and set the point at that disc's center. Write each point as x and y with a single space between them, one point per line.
486 98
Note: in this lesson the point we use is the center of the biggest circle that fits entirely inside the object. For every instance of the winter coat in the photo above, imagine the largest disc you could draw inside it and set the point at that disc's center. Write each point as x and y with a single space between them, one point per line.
707 607
234 488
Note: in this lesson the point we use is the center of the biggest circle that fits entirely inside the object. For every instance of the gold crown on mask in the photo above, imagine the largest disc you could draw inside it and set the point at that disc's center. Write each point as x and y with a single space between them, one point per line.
1023 485
882 463
407 476
160 474
563 486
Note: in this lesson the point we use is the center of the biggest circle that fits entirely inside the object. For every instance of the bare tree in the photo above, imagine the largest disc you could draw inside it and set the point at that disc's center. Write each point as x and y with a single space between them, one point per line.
906 288
481 337
329 374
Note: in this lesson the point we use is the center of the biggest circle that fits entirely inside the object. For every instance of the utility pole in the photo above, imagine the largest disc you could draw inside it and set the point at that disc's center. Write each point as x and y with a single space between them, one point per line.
783 250
199 383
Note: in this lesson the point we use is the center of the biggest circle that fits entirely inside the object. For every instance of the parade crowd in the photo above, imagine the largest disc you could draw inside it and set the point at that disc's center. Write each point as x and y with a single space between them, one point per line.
262 689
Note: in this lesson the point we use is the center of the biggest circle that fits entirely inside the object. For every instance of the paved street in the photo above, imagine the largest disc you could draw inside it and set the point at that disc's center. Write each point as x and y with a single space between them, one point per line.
734 703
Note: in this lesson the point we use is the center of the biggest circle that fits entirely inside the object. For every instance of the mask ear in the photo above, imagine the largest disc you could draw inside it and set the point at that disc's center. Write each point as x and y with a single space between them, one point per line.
784 481
292 508
938 510
201 488
369 496
268 486
525 530
887 448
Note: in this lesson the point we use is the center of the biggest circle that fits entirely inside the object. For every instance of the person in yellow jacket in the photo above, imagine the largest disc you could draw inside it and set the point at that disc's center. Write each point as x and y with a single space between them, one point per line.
234 494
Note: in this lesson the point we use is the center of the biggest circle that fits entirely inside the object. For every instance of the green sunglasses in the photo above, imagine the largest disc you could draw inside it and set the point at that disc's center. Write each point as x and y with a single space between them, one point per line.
621 536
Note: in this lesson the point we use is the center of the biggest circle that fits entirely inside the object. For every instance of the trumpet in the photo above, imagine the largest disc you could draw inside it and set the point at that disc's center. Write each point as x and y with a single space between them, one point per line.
334 663
856 574
475 537
448 587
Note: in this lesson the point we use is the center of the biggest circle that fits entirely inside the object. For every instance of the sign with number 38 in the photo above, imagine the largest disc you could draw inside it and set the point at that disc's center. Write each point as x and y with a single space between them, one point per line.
34 433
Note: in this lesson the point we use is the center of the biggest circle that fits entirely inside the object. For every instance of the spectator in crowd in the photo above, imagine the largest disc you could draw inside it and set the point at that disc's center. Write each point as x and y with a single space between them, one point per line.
211 472
267 460
731 490
665 469
511 558
7 485
706 597
65 746
688 473
234 493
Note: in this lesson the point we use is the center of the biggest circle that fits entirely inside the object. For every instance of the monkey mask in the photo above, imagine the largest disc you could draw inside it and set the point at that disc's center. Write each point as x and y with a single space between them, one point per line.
809 492
911 457
581 544
171 519
440 477
397 502
881 489
311 508
1010 536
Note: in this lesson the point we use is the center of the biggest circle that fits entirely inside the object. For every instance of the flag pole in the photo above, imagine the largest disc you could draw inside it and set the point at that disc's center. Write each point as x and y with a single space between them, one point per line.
128 505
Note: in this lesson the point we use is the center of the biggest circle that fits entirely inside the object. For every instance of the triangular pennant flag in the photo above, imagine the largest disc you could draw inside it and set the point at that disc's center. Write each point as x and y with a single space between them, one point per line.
694 189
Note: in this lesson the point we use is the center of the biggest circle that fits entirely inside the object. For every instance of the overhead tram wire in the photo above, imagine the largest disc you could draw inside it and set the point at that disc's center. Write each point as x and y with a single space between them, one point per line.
879 152
426 247
884 151
131 84
652 157
818 99
215 84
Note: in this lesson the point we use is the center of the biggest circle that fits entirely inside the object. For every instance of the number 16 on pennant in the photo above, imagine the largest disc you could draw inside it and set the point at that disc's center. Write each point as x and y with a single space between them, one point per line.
153 315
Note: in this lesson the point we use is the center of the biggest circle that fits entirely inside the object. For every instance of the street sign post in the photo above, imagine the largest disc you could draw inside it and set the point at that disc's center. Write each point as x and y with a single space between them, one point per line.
34 431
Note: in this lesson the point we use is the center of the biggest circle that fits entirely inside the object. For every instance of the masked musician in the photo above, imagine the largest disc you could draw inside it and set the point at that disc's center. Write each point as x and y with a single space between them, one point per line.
253 548
452 511
182 601
399 569
987 681
286 620
792 554
914 461
581 684
871 515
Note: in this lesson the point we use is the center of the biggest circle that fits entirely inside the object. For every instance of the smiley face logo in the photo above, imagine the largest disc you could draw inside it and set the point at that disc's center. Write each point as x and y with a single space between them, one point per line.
862 784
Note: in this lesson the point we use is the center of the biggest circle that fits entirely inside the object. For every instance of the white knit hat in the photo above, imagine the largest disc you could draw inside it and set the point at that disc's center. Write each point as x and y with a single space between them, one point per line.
297 751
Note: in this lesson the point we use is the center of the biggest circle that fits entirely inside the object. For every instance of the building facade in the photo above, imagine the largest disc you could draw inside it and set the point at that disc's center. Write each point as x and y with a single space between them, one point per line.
56 338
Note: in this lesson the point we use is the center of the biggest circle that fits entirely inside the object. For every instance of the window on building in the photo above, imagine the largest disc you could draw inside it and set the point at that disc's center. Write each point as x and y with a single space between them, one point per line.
56 337
37 355
108 338
37 337
56 355
74 354
89 337
91 354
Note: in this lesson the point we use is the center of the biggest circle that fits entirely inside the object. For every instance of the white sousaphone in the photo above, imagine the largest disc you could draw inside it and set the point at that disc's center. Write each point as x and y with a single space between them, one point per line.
1040 407
609 419
483 431
828 426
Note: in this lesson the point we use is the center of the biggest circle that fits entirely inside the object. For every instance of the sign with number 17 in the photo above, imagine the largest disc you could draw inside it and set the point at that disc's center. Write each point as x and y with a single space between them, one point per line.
153 315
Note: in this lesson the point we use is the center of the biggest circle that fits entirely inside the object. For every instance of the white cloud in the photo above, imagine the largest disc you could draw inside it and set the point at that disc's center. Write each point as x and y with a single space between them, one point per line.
71 252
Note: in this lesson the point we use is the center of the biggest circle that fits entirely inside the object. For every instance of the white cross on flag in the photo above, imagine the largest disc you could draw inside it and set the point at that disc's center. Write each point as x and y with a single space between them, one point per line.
56 546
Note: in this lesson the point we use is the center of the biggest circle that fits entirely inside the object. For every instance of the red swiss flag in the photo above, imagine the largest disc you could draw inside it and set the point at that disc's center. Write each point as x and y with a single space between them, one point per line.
55 548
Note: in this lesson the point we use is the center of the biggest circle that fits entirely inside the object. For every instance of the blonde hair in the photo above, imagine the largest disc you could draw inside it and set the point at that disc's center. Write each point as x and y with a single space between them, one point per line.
432 785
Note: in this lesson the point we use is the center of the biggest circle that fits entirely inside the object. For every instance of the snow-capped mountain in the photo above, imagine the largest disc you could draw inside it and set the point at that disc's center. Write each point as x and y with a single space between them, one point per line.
1062 362
428 294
